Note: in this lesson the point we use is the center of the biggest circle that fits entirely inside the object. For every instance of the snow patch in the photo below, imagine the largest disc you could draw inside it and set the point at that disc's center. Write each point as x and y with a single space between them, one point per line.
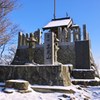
80 94
18 80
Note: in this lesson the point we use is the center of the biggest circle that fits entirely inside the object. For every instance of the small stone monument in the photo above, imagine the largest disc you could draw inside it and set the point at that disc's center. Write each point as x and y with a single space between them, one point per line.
82 53
49 48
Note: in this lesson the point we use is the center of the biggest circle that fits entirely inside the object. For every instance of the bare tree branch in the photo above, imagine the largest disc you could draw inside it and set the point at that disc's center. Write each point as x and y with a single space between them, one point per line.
2 50
7 29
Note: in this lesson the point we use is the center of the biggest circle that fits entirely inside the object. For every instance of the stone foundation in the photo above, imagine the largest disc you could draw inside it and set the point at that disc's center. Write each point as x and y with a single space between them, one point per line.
39 74
83 73
86 82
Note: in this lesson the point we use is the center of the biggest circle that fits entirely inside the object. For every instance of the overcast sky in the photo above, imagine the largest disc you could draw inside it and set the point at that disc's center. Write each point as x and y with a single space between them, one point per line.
34 14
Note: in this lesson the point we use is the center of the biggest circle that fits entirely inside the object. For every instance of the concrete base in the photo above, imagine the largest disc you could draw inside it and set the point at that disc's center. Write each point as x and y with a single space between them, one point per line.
37 74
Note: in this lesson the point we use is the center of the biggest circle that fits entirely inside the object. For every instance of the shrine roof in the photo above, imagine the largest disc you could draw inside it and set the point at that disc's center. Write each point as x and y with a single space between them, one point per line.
75 26
58 23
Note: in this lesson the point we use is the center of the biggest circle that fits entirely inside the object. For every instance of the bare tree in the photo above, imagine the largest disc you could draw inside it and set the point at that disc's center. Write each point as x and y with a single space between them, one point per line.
8 58
7 29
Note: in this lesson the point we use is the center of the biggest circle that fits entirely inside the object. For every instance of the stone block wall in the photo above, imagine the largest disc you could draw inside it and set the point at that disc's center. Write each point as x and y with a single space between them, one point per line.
38 74
39 55
21 56
66 55
83 74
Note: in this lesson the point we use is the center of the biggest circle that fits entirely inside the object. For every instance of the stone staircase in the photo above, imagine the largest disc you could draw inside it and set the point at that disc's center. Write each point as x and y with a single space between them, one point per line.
84 77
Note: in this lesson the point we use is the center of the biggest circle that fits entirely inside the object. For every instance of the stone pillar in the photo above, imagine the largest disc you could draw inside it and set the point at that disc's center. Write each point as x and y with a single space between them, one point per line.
85 34
79 30
20 39
37 36
64 35
78 36
69 36
49 48
74 35
56 48
31 42
27 44
23 40
60 34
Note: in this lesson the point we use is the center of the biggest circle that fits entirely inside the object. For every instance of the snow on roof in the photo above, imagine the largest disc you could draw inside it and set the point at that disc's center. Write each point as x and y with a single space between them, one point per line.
75 25
58 22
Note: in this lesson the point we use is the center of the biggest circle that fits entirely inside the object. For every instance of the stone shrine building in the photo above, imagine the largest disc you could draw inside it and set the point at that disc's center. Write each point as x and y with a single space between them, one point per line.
68 34
65 54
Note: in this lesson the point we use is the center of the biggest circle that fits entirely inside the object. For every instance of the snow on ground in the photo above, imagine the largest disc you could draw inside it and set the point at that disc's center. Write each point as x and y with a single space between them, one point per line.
73 93
80 94
95 92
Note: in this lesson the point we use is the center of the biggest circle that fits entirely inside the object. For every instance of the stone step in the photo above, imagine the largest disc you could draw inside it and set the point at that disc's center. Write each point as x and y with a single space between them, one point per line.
86 82
51 89
83 74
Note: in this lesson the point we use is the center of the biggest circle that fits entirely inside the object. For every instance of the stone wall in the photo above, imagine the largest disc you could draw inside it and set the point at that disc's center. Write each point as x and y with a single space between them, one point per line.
66 55
39 74
39 55
21 56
